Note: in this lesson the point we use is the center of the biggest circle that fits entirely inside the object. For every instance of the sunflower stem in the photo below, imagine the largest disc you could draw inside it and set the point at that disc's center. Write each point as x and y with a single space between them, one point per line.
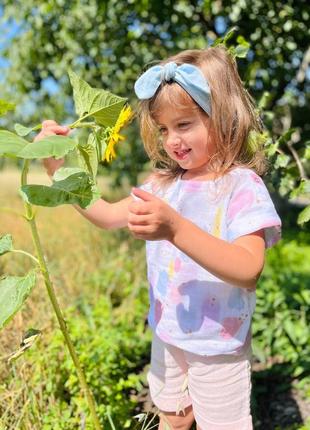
30 216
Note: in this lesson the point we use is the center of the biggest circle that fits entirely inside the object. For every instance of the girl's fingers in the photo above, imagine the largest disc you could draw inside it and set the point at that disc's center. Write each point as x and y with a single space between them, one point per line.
139 219
49 122
141 230
139 208
52 130
56 129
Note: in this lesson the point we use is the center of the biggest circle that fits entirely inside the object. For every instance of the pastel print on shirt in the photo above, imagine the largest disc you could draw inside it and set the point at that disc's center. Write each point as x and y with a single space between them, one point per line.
197 309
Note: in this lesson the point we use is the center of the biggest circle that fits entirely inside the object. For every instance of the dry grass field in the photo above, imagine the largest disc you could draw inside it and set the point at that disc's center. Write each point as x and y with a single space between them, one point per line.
73 247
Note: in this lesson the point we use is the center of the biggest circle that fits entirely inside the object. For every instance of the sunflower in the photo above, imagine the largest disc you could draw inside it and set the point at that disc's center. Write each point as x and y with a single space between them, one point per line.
123 119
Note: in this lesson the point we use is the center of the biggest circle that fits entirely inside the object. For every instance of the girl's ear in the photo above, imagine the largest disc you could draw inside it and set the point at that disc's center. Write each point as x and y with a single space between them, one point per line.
208 123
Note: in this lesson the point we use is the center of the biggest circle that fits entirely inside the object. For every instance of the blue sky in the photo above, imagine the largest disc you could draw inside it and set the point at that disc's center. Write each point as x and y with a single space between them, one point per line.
7 31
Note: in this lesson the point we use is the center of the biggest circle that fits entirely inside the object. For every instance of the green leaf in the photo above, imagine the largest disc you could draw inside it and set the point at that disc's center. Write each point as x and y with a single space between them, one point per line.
104 106
307 150
290 329
22 131
281 161
271 149
286 136
304 216
241 50
264 100
92 151
10 143
302 189
6 244
223 40
65 172
14 290
5 107
256 141
89 157
51 146
78 188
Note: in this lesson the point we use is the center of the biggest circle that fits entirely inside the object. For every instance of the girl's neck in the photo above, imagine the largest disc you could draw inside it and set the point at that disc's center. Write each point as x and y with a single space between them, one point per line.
199 176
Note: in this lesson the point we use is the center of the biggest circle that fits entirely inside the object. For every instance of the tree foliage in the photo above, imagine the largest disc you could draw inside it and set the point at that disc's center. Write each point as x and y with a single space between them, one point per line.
109 43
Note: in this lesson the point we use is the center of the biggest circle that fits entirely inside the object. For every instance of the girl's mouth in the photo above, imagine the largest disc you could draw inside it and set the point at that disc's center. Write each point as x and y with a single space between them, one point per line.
181 155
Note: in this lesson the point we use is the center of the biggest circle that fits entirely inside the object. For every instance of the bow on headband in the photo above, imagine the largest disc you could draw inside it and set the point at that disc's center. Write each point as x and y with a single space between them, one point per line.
189 77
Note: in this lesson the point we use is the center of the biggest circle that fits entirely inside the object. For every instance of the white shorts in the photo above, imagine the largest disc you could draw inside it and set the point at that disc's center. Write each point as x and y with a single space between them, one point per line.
218 387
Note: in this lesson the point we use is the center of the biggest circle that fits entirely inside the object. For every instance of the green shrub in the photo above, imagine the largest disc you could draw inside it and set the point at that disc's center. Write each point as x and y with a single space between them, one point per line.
113 346
281 319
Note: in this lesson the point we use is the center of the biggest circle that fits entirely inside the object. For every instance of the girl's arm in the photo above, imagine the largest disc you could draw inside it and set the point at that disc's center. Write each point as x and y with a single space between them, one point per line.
238 263
107 215
101 213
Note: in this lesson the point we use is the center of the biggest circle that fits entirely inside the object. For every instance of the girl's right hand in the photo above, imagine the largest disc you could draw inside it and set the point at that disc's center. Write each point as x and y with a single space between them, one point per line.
50 128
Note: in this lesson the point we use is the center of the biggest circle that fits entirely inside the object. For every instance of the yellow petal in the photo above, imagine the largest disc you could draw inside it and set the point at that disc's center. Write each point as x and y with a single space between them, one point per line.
124 117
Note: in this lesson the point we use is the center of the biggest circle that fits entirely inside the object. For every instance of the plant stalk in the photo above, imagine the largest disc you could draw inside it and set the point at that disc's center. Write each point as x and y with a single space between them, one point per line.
20 251
51 292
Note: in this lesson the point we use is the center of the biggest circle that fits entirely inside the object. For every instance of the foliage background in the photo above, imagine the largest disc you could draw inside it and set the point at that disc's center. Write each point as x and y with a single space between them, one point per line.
109 43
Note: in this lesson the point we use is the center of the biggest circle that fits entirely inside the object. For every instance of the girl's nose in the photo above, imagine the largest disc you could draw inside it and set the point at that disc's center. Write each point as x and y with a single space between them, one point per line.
174 141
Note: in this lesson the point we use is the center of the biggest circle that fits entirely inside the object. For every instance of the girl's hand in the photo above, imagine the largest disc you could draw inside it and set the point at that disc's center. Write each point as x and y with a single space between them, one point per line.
50 128
151 218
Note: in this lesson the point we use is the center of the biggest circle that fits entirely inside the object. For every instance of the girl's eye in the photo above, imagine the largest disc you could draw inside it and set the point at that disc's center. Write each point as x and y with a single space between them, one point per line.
184 124
162 130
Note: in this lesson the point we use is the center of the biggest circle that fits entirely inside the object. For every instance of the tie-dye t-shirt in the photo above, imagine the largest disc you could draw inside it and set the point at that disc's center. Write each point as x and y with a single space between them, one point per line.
189 307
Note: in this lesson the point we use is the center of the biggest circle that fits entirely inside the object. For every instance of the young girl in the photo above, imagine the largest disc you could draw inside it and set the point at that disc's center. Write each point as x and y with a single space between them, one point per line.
206 217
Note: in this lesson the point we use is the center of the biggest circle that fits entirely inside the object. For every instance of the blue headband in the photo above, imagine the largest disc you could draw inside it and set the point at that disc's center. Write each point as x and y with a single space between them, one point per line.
189 77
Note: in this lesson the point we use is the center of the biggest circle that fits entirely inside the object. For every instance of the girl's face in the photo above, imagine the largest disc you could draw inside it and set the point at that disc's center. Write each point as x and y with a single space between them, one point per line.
187 137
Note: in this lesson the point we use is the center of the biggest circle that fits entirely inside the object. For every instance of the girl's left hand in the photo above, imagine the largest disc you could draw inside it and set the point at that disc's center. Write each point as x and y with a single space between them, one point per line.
150 218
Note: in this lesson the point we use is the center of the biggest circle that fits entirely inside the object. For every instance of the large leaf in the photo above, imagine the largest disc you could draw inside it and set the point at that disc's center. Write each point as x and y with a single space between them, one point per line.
64 172
10 143
91 152
14 290
5 107
51 146
104 106
77 188
89 158
6 244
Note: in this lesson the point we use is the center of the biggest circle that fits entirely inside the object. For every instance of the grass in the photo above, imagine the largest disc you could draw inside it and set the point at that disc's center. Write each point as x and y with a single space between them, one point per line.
78 254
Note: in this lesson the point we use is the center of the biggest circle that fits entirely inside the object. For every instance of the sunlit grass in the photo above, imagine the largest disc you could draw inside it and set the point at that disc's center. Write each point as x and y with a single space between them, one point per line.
75 249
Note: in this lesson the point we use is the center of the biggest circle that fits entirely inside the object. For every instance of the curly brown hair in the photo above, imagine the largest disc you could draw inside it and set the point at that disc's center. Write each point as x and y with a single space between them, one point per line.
232 119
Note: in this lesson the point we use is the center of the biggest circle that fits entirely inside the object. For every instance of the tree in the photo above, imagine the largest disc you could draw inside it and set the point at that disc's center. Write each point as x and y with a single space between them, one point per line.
109 42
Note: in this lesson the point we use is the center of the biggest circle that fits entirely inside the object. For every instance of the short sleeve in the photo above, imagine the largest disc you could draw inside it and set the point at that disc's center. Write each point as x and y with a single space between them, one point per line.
148 186
251 209
153 186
